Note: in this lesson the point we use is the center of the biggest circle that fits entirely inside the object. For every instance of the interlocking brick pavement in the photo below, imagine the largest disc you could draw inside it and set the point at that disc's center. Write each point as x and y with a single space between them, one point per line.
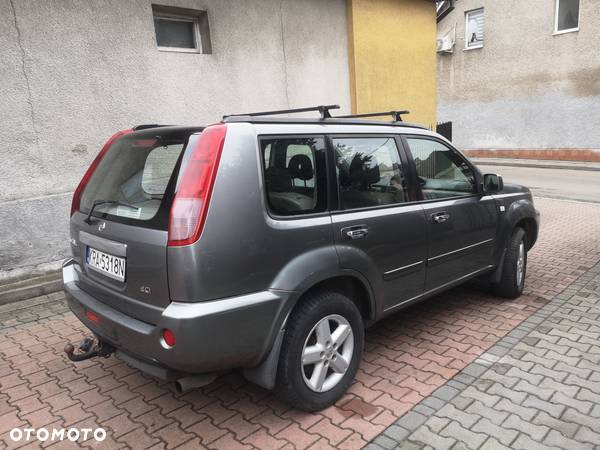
542 392
408 361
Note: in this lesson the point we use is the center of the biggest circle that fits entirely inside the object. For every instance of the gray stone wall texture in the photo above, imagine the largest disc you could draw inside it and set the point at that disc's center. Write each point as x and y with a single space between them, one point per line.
527 88
73 72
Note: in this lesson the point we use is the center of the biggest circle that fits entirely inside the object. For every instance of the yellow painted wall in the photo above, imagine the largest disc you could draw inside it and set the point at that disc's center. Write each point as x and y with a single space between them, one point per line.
392 57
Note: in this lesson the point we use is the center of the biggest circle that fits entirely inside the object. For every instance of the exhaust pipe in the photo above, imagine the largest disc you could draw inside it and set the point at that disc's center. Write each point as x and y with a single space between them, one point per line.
185 384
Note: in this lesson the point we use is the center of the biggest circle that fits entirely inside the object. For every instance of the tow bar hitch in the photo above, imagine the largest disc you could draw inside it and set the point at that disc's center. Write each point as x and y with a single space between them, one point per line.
88 348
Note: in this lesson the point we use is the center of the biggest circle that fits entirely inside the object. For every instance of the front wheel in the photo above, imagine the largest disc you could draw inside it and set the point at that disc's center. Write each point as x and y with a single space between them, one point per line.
514 267
321 351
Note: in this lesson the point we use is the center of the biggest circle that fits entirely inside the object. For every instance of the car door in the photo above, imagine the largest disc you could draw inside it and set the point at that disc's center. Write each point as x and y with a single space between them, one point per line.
379 230
461 221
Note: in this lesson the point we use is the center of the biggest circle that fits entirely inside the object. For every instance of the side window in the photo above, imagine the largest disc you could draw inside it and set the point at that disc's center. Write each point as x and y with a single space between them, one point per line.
369 172
441 171
295 174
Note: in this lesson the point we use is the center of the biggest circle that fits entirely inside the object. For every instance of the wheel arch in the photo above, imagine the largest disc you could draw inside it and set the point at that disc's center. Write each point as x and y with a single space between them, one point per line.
353 286
349 283
521 213
531 230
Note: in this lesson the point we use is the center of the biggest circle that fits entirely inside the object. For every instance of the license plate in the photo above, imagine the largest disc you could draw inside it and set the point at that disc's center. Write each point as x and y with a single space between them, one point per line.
109 265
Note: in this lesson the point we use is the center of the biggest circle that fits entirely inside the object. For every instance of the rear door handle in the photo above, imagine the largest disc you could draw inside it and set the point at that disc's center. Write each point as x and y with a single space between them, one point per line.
355 232
440 217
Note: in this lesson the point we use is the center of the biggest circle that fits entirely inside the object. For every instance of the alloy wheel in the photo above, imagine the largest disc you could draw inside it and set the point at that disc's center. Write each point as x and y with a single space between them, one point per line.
327 353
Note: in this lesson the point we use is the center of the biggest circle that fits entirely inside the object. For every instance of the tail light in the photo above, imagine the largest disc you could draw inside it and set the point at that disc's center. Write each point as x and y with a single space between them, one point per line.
92 316
190 205
88 174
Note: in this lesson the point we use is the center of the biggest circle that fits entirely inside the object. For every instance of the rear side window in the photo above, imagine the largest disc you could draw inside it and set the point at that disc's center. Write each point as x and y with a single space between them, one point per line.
369 172
441 171
295 174
132 180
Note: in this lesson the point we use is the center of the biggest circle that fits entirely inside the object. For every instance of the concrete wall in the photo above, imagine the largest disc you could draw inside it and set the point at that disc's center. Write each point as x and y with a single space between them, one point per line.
73 71
527 92
392 55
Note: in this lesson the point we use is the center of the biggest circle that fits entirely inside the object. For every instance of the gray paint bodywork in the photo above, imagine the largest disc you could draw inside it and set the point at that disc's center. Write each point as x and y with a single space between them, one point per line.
205 341
230 293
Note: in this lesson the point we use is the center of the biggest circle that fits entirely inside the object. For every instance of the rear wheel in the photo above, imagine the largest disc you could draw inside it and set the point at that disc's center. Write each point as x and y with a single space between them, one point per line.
514 267
321 351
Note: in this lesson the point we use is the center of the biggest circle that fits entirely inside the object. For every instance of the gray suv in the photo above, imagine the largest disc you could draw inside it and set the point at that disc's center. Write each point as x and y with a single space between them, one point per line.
268 244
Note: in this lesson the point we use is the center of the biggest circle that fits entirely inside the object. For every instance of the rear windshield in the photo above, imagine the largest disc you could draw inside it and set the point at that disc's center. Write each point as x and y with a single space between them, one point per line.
134 181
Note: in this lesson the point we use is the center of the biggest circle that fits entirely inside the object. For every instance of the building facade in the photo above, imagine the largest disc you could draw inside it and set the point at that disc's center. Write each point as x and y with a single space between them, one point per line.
72 72
391 47
521 78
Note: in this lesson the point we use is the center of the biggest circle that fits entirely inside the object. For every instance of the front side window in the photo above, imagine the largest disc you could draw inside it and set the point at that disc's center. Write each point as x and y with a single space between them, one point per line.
474 22
441 171
567 16
369 172
295 175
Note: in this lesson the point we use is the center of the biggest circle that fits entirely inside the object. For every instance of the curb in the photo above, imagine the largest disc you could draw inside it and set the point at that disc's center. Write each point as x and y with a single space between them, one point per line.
24 289
402 428
483 162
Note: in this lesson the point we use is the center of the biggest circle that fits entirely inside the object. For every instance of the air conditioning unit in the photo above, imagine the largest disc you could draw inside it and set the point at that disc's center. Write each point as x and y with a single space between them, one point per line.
444 45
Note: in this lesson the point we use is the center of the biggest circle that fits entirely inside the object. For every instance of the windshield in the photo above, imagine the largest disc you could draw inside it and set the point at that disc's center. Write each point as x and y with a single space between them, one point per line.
132 182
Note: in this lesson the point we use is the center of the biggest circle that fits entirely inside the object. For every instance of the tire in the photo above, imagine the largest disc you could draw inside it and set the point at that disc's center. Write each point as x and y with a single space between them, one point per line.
295 378
511 284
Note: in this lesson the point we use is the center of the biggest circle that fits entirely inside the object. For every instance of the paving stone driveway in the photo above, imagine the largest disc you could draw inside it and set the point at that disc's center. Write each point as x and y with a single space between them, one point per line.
539 387
407 358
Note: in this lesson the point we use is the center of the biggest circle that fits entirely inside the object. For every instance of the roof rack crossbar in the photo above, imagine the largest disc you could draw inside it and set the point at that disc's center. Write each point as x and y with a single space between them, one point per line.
323 110
397 115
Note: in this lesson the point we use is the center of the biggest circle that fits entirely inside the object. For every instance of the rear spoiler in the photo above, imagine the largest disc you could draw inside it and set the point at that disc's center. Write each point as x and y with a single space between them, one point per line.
148 125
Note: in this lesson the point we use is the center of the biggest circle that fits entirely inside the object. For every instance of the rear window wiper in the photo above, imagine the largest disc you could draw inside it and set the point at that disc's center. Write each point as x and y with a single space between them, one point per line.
106 202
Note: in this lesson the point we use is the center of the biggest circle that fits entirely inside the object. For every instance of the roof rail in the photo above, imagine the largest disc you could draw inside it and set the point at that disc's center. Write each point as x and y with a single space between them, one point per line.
397 115
148 125
323 109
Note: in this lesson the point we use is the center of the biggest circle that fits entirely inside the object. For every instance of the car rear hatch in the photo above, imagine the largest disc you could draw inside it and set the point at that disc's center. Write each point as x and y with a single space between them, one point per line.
119 226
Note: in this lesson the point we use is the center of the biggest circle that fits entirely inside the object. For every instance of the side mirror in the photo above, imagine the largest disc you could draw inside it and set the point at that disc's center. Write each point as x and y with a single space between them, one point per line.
492 182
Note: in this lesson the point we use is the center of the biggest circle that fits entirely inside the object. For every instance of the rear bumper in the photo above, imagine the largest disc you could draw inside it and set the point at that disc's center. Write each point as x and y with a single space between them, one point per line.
229 333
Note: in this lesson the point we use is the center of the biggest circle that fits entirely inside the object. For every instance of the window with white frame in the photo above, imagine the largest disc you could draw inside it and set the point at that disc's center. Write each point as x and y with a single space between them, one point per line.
566 16
474 22
181 29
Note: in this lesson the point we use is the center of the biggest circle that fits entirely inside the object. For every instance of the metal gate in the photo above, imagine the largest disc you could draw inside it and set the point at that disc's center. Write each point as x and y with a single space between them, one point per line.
445 129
